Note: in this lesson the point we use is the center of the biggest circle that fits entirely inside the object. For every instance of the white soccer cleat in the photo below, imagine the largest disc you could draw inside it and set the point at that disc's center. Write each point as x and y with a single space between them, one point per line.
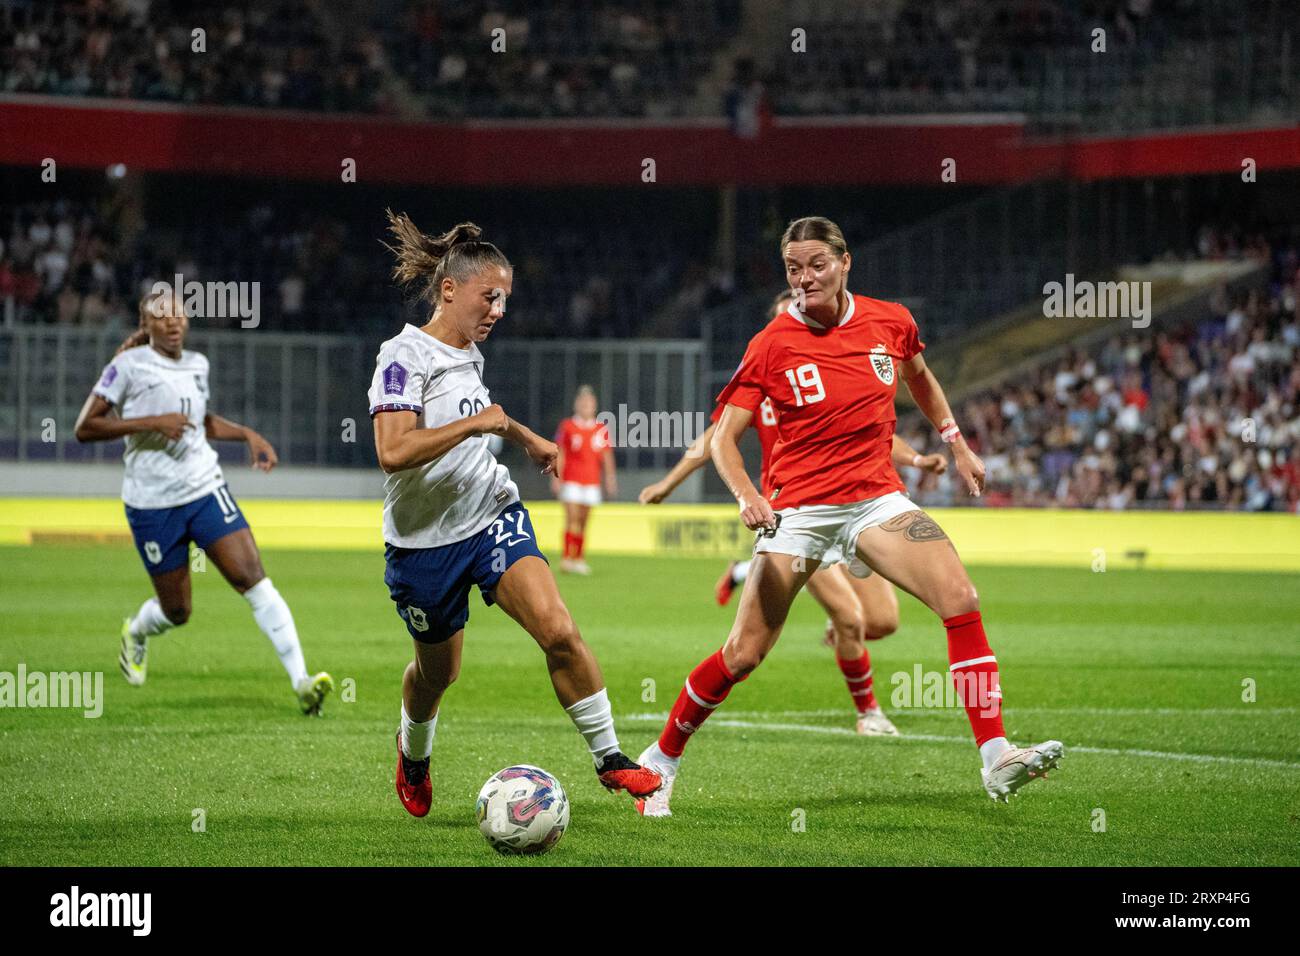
1018 766
656 805
874 723
133 657
312 692
581 567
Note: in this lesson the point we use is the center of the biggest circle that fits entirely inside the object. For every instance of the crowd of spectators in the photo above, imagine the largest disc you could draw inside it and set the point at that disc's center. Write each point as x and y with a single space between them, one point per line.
58 263
455 59
1034 56
510 58
87 263
1204 414
1201 414
276 54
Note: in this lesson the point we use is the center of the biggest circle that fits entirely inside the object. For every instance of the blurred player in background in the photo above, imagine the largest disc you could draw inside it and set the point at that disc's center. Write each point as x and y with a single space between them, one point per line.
858 609
586 460
154 393
452 515
829 364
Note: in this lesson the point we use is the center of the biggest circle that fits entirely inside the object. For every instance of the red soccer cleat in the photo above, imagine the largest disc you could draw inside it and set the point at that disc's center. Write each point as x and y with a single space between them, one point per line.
619 773
726 584
416 796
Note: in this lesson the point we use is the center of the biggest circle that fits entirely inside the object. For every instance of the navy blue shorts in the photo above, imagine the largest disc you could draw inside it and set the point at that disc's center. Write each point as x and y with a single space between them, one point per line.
162 535
430 586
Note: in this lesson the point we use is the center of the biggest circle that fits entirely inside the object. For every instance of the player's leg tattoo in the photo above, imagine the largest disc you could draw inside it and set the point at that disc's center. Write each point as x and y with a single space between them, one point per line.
915 526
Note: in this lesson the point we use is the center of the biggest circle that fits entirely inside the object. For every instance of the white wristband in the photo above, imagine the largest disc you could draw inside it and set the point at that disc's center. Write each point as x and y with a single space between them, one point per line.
916 461
950 432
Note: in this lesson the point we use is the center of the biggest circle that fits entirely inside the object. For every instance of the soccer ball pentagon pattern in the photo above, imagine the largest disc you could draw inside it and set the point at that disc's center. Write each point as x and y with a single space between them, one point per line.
522 809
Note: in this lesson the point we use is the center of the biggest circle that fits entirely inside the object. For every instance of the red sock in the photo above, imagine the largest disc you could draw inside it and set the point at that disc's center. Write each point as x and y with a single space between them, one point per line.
857 674
706 688
568 545
577 546
974 672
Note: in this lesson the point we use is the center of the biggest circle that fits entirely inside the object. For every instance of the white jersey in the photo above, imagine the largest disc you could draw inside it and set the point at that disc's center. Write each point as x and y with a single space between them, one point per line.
455 496
161 473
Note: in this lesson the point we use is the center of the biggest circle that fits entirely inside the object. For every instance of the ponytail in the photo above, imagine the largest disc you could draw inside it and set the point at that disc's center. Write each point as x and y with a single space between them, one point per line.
458 253
138 337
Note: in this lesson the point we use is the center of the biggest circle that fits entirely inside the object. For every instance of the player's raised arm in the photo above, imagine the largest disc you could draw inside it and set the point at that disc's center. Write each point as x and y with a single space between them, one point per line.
725 448
930 399
400 445
692 460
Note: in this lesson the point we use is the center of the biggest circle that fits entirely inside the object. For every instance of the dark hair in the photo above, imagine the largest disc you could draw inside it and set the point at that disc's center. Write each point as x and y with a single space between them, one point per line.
141 335
459 253
774 309
818 228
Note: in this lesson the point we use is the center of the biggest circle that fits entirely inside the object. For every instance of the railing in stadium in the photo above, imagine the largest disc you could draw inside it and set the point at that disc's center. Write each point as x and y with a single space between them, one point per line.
301 391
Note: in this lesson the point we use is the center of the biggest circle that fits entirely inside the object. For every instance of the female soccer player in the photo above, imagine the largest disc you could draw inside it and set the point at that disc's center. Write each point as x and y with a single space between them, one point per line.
452 516
585 457
829 365
154 393
858 609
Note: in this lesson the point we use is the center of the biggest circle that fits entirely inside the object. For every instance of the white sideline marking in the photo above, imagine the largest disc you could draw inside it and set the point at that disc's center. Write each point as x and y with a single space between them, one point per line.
935 738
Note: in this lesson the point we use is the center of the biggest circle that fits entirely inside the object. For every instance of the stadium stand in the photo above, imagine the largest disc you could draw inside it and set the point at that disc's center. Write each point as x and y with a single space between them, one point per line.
86 262
577 59
1165 63
1204 414
276 55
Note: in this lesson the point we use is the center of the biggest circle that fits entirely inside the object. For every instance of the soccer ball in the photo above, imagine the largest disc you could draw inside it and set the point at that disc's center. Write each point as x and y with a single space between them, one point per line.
522 809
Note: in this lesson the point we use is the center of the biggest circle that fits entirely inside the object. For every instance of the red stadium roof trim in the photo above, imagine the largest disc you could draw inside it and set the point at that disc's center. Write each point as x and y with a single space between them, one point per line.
870 150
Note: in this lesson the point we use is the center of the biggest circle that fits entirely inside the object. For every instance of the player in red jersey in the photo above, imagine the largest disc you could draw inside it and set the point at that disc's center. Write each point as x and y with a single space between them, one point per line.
858 608
830 365
586 457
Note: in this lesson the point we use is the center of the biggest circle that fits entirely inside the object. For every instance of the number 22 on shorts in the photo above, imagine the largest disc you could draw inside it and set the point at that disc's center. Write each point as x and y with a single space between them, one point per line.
501 533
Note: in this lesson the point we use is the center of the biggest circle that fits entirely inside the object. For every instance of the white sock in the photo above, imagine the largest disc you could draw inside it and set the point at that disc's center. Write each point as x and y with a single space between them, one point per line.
657 756
149 621
276 621
991 750
417 735
595 721
740 572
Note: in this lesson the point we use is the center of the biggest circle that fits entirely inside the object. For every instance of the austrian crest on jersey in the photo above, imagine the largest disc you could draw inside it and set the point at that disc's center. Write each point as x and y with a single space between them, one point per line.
882 364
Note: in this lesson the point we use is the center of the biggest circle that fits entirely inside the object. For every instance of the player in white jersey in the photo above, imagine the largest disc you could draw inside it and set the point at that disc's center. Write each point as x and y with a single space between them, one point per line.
452 516
154 394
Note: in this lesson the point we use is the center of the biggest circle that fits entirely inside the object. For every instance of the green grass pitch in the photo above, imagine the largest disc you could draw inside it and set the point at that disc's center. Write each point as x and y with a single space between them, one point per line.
1140 673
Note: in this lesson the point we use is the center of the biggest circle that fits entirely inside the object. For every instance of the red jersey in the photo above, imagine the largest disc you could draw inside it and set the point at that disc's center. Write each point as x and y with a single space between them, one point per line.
584 445
764 422
832 390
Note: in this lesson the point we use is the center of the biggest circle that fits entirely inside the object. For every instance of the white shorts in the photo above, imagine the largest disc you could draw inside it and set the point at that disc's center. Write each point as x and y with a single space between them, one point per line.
828 534
572 493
